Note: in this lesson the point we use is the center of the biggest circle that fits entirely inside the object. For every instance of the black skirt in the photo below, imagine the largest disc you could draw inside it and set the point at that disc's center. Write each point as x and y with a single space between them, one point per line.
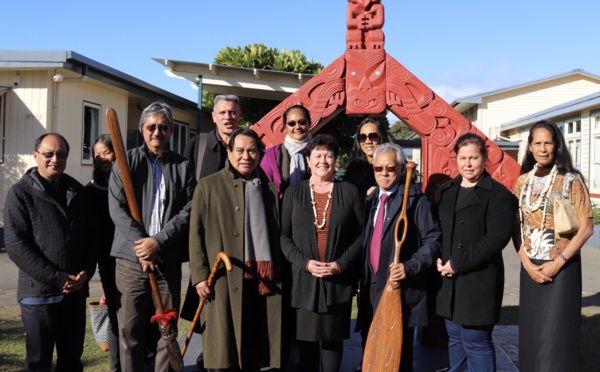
550 320
334 325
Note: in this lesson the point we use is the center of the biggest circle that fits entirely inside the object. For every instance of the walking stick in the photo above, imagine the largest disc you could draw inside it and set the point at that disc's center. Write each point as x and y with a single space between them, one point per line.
383 350
221 256
164 316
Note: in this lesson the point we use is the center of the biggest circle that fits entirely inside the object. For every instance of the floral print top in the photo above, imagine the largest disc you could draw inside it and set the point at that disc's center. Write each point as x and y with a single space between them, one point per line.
541 242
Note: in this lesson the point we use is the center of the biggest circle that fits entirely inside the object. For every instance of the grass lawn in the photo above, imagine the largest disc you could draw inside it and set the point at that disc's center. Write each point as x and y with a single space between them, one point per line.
12 340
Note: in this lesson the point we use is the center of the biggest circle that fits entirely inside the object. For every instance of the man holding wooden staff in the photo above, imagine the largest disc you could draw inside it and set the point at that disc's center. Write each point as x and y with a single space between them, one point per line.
420 248
164 184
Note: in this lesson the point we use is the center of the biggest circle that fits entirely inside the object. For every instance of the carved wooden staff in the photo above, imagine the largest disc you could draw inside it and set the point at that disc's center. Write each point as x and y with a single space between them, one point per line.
164 317
383 350
221 256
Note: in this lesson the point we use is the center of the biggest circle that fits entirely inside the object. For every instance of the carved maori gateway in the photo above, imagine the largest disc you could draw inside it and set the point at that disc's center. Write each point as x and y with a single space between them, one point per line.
367 81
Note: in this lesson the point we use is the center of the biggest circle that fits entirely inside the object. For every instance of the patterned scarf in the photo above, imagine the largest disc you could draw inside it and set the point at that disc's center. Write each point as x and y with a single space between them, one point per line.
257 249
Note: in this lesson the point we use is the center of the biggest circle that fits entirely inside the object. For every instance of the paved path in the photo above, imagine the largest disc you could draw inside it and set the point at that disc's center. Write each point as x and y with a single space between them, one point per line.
426 359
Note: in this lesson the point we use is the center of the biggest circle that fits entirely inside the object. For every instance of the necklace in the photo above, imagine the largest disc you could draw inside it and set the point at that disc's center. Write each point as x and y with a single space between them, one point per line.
314 204
525 198
542 197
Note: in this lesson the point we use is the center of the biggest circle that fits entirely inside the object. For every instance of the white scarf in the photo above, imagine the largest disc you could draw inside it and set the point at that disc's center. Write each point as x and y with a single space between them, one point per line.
297 164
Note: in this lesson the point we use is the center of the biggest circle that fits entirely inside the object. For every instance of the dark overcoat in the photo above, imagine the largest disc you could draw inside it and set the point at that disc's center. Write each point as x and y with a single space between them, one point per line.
217 224
474 234
418 253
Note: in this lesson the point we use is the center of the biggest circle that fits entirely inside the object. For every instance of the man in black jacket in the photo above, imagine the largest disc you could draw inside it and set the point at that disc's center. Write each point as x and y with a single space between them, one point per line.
47 234
419 251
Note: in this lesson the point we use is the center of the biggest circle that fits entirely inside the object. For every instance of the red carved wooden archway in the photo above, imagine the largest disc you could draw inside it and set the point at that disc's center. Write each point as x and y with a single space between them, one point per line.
367 81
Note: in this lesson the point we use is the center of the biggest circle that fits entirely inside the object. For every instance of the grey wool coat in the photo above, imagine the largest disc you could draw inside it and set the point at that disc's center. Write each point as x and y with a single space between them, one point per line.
217 224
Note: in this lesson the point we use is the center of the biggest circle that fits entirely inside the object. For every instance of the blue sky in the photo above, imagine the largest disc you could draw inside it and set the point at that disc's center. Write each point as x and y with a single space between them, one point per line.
456 47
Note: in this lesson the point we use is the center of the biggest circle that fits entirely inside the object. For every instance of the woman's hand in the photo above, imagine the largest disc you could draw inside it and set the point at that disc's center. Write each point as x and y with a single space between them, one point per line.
445 268
323 269
539 274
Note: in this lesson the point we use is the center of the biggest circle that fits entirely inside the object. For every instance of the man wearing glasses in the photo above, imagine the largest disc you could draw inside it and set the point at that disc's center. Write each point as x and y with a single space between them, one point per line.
47 234
164 183
421 247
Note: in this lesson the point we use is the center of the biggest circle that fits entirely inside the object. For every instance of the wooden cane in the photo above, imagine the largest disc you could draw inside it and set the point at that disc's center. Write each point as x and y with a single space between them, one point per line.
383 350
175 358
221 256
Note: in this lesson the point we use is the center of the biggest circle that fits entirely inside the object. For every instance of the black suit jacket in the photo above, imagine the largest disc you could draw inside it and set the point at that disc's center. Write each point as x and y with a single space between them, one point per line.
418 253
474 234
214 155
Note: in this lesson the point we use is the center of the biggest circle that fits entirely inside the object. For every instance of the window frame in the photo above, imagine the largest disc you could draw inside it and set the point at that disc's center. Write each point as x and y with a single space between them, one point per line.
181 138
92 136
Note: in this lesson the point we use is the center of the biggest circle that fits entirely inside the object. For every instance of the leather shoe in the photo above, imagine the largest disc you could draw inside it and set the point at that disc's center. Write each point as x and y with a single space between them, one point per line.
200 362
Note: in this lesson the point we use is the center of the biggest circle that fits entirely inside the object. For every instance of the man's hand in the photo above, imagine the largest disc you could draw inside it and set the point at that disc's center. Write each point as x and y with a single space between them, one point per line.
397 272
146 250
74 283
204 291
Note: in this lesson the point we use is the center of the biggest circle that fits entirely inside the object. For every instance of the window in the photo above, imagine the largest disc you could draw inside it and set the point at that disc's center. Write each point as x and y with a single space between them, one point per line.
179 137
572 130
594 178
2 121
91 130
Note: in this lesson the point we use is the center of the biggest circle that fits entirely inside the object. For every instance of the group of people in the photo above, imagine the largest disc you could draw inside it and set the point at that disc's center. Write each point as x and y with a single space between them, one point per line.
302 242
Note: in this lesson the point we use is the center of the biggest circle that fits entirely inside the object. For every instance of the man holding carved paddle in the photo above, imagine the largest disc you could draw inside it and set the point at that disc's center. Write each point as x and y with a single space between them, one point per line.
420 246
163 183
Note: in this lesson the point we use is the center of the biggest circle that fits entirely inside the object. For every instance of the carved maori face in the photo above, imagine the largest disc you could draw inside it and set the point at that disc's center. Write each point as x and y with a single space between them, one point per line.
365 82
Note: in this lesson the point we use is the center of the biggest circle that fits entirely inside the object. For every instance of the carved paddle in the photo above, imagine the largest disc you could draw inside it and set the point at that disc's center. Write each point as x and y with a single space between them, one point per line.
383 350
164 317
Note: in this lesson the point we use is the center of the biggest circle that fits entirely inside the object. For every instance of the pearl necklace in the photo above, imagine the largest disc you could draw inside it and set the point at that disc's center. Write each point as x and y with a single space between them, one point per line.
314 204
525 198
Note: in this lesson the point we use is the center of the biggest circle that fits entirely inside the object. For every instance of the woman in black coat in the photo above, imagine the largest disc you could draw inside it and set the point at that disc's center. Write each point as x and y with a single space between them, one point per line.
477 218
321 238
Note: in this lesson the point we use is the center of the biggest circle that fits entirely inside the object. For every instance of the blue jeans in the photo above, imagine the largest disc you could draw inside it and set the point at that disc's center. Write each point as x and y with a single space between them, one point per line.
470 348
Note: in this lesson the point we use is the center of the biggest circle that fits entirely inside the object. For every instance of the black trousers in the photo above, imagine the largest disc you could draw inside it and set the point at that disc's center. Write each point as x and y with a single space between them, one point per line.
61 324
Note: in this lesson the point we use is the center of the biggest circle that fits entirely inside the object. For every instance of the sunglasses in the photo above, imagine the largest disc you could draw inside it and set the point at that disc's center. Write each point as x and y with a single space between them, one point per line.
50 155
302 122
389 169
163 128
373 137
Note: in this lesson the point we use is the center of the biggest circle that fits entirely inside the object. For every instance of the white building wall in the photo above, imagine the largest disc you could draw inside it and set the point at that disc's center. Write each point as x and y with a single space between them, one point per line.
508 106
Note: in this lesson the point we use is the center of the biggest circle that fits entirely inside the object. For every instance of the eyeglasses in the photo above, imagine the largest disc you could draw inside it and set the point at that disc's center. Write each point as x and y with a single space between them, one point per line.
161 127
302 122
389 169
373 137
50 155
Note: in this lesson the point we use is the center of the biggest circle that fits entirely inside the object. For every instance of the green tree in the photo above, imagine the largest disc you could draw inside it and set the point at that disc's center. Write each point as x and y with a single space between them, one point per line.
400 130
262 57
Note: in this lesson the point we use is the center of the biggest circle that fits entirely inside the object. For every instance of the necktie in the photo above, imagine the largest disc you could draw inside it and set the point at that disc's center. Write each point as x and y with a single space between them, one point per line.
377 234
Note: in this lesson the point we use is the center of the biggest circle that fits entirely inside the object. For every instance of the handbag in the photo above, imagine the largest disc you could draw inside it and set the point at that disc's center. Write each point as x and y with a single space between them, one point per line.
100 323
565 219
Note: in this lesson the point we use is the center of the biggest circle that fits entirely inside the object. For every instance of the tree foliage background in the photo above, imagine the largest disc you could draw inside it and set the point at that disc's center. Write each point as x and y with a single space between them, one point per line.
261 56
266 58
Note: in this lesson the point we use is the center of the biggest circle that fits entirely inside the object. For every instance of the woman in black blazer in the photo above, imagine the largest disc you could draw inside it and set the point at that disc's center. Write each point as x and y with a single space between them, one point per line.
321 236
477 218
